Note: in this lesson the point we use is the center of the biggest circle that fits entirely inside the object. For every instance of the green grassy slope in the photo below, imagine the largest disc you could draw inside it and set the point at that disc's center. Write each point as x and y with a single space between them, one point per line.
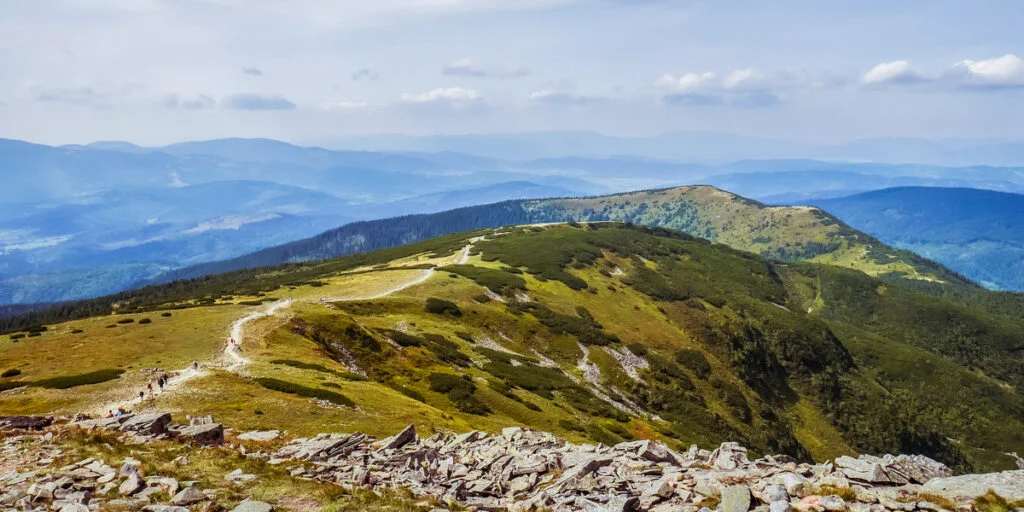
607 332
789 233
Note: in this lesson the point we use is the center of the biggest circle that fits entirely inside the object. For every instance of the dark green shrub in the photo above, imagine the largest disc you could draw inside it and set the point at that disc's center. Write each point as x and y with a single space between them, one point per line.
498 281
411 393
330 385
618 430
482 298
34 334
84 379
145 321
77 331
637 349
251 303
442 307
531 406
111 326
37 328
465 336
572 425
695 361
460 391
402 338
15 337
305 392
124 321
319 368
13 372
165 314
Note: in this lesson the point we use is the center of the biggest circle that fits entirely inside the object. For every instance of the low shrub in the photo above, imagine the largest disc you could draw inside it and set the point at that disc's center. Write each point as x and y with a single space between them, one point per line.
71 381
460 391
124 321
695 361
303 391
319 368
572 425
34 334
15 337
482 298
145 321
637 349
165 314
442 307
330 385
411 393
13 372
77 331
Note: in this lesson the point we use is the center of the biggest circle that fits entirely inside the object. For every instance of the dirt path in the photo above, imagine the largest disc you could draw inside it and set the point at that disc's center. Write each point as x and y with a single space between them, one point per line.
232 359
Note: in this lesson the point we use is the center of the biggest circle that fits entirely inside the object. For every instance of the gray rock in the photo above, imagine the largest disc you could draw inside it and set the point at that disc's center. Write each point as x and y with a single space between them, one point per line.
260 436
203 434
735 498
131 485
188 496
833 503
773 493
780 506
399 440
152 424
253 506
1008 484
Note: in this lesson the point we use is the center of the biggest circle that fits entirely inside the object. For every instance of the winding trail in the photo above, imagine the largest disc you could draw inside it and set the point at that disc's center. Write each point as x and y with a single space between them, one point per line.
236 362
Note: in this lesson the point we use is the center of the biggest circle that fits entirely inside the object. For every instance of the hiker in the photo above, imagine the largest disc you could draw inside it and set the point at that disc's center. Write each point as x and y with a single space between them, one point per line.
195 365
142 395
110 414
150 386
160 382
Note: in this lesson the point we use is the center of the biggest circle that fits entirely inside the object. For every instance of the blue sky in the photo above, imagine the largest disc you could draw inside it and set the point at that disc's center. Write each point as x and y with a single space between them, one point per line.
158 71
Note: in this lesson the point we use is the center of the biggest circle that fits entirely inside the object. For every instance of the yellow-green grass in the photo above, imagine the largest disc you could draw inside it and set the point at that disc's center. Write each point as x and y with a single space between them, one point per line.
168 342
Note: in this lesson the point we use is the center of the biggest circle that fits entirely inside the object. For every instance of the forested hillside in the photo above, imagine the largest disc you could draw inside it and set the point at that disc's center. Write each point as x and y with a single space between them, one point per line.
978 233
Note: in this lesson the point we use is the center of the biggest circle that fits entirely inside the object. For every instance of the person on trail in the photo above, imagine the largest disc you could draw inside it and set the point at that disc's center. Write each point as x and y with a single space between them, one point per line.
110 414
142 395
195 365
160 382
150 386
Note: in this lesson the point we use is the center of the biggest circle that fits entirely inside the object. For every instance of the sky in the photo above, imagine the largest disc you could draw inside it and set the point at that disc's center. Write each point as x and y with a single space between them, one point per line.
161 71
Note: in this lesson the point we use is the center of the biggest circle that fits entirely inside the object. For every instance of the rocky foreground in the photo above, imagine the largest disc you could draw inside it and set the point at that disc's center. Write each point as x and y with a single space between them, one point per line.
516 470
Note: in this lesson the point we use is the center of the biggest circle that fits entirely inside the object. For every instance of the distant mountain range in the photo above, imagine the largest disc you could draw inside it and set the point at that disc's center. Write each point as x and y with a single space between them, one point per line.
701 147
83 220
978 233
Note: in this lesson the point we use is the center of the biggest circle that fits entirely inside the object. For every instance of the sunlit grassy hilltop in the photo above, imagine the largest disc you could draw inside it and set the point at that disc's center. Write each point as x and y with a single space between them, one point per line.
598 332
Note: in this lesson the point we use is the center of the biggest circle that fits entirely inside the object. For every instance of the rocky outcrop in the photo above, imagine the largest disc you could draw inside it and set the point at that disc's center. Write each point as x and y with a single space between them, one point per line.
25 422
524 470
516 470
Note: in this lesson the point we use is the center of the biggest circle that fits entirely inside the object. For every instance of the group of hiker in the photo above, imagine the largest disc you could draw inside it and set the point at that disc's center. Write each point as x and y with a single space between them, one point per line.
161 381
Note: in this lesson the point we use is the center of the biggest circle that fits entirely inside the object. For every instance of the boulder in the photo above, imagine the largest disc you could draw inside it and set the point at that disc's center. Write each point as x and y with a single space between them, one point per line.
188 496
259 436
153 424
399 440
1008 484
131 485
253 506
735 498
25 422
203 434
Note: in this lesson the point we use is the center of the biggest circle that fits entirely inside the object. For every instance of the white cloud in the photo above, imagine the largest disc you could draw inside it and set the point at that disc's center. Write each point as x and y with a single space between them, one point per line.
688 83
335 105
1005 71
467 67
562 98
744 79
895 72
444 95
